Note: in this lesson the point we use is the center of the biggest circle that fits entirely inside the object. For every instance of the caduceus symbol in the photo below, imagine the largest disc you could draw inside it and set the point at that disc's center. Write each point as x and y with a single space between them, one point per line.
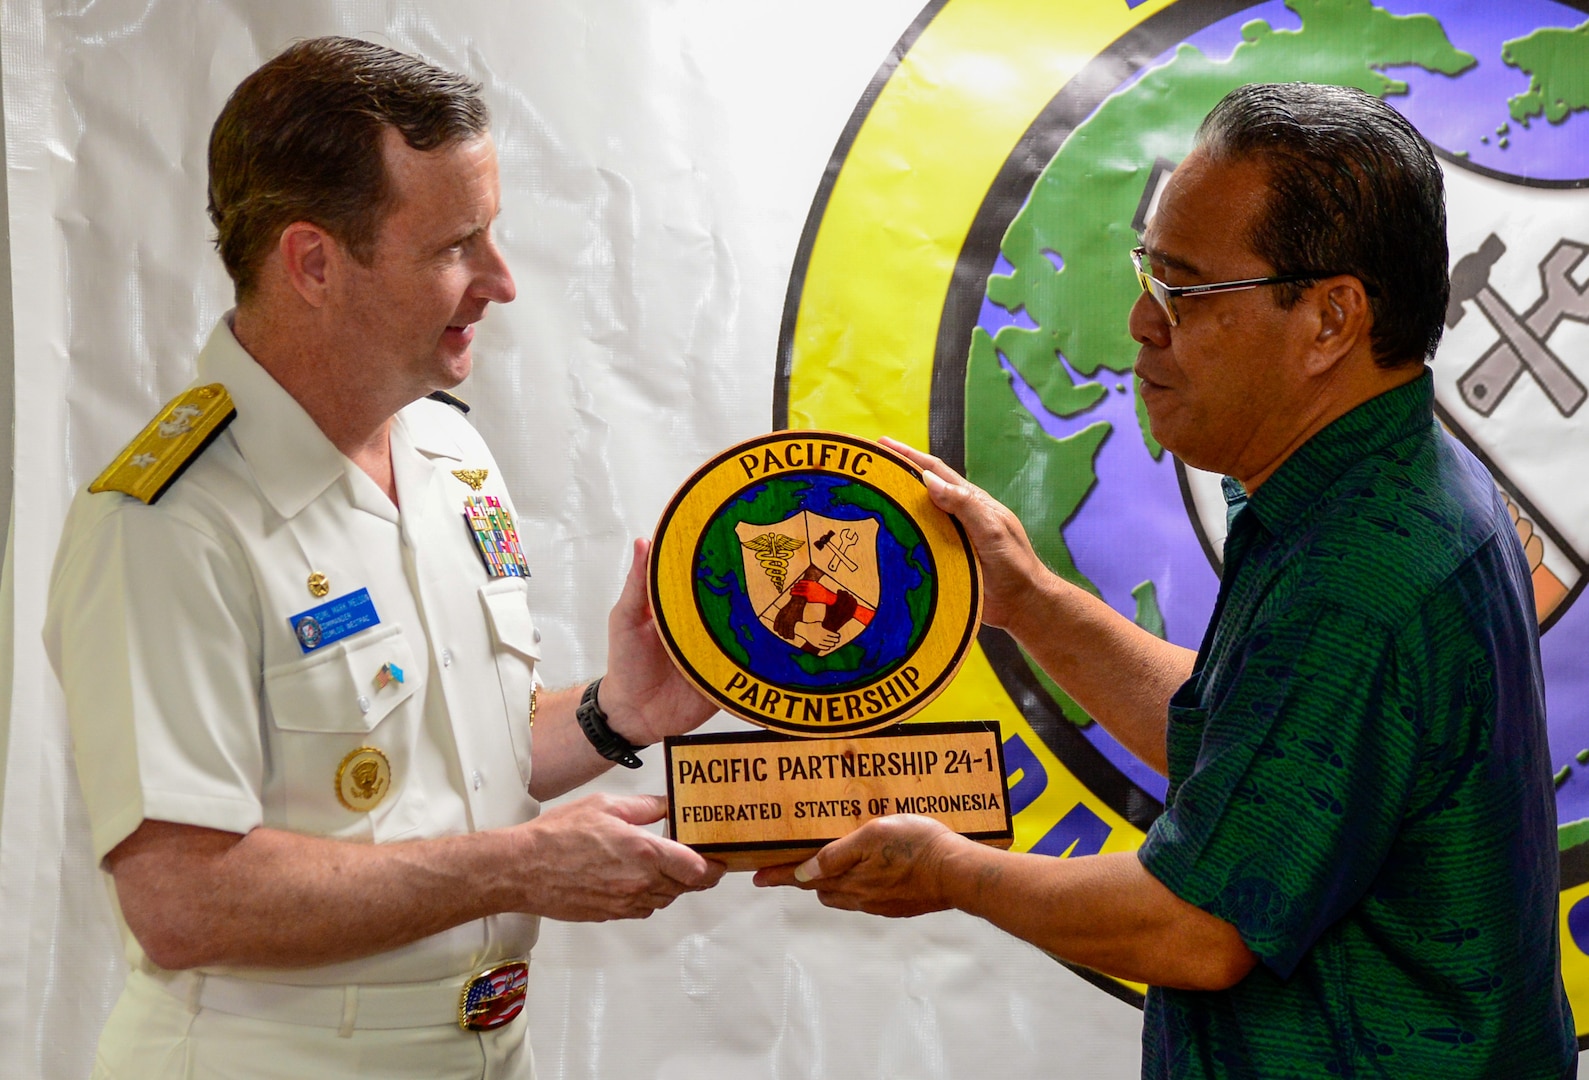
773 551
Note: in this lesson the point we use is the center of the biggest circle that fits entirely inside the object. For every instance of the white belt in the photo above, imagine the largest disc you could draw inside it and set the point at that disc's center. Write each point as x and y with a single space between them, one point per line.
372 1006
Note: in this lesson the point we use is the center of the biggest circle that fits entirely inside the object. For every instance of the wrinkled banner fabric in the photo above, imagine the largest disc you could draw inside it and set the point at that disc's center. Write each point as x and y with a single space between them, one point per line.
659 163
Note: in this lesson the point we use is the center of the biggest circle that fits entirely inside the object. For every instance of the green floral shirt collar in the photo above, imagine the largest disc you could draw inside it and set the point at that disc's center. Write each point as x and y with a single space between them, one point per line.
1303 477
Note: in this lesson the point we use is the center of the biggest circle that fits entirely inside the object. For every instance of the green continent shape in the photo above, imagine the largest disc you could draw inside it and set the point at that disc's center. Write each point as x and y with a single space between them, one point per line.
1081 209
1572 835
1148 615
1557 63
1051 478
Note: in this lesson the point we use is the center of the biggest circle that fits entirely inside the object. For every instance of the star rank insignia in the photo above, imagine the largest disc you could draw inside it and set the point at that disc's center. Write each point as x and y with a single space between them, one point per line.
177 435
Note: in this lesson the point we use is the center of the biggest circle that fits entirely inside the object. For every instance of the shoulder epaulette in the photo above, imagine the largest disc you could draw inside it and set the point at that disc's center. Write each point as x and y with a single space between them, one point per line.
173 440
447 399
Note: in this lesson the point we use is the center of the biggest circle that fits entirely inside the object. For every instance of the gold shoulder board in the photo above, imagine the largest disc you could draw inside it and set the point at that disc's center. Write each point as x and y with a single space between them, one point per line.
172 441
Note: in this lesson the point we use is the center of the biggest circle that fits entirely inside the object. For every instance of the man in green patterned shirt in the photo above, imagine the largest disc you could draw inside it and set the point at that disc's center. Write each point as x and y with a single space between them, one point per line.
1355 872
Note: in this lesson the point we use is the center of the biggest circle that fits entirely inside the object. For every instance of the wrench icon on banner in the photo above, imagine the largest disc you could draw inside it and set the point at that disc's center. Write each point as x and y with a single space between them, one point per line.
1523 337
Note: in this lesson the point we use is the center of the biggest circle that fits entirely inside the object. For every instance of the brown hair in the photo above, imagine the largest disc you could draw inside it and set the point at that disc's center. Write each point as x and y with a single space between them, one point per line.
300 140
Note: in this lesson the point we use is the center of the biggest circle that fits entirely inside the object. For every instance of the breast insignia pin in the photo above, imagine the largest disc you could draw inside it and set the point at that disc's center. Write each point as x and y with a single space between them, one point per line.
473 477
319 584
363 779
390 673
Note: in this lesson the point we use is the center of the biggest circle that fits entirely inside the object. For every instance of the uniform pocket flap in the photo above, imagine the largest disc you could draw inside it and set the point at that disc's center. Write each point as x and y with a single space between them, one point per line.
346 687
508 609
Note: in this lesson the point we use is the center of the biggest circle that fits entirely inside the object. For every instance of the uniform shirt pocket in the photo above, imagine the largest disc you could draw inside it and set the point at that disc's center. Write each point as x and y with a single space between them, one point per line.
517 645
328 706
340 688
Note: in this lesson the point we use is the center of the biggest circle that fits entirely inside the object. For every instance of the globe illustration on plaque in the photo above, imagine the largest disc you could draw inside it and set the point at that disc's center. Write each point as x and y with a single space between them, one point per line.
805 582
1033 392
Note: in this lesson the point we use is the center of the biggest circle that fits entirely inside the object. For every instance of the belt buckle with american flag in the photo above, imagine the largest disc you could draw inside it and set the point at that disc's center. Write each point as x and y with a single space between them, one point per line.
495 536
494 997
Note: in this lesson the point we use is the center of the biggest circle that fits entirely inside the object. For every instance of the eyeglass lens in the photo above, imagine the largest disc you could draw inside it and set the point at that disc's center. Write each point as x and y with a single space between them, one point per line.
1151 286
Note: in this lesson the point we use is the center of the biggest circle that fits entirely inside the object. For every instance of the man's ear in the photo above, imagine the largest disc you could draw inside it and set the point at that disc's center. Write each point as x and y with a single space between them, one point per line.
1342 321
307 252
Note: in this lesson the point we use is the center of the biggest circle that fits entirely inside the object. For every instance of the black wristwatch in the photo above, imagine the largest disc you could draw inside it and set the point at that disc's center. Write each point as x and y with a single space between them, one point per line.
608 743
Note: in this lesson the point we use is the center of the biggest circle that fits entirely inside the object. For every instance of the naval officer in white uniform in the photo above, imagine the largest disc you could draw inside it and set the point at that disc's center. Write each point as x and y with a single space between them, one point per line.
292 626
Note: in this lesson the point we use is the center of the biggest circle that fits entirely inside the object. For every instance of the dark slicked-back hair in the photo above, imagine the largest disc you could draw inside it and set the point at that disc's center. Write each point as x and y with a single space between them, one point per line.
300 140
1354 189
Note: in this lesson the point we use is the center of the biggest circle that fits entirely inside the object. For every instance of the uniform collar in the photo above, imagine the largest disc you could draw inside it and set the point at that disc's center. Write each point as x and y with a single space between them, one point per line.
1372 426
291 459
425 424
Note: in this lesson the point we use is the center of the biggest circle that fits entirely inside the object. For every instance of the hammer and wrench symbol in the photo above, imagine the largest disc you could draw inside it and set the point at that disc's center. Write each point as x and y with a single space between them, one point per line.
1523 337
848 539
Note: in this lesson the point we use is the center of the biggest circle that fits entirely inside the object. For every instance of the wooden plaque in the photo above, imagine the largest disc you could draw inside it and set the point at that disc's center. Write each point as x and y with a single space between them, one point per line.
754 799
804 581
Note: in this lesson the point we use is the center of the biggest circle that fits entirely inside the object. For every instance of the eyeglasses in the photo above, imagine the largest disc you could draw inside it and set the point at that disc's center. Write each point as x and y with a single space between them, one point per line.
1166 295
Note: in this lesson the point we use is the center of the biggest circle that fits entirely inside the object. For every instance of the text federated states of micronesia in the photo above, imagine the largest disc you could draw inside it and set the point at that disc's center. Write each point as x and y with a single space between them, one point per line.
849 765
959 803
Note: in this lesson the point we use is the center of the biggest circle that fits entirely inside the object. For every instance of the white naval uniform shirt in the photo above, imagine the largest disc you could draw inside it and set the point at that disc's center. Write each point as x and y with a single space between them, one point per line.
190 699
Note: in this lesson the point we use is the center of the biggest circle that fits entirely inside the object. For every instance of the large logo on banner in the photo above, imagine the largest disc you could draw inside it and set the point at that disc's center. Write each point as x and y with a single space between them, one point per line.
1023 230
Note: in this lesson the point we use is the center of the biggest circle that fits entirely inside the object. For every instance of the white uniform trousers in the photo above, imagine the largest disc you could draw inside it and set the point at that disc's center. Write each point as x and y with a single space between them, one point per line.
153 1034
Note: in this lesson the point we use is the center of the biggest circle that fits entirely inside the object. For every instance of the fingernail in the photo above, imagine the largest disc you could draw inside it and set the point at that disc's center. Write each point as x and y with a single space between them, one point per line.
809 870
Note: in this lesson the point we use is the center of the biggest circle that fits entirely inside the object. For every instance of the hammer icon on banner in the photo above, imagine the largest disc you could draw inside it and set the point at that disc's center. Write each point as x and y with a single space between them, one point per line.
1522 343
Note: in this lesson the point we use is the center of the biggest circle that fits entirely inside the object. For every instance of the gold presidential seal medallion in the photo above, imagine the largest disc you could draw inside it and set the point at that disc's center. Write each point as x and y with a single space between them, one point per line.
363 779
804 581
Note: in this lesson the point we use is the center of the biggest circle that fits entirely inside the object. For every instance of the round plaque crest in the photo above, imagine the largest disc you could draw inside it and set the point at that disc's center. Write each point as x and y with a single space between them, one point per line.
804 581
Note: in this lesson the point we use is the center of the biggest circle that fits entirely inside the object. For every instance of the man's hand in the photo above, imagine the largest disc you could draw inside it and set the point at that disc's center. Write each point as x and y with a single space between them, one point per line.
890 866
197 897
1121 674
1010 568
1105 912
593 861
642 692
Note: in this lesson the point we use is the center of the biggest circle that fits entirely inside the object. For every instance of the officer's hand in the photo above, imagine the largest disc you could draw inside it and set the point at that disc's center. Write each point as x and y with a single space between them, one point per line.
892 866
589 861
643 694
1010 568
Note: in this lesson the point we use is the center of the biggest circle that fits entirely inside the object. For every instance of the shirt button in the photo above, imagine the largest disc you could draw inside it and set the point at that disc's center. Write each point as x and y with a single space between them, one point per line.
478 779
446 658
364 704
537 635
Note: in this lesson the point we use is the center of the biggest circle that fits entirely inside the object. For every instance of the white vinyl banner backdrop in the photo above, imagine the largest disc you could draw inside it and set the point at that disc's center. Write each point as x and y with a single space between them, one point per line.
659 159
